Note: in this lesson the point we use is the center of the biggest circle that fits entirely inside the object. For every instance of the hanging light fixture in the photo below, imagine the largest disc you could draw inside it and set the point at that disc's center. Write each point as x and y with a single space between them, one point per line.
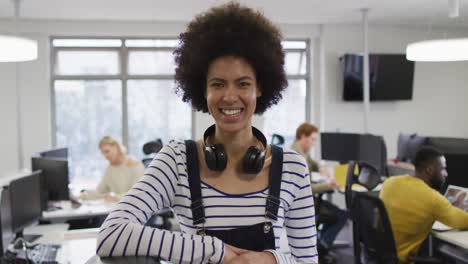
14 48
440 49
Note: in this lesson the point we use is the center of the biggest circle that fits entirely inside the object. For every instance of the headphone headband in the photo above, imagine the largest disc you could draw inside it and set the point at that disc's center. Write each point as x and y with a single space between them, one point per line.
216 156
257 134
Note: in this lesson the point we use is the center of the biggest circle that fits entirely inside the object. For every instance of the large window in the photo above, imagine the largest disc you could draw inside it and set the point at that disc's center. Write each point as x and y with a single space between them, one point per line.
293 109
119 87
124 87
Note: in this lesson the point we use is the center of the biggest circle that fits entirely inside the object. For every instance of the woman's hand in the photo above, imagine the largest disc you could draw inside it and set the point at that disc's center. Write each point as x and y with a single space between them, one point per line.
231 252
111 197
84 195
332 183
254 257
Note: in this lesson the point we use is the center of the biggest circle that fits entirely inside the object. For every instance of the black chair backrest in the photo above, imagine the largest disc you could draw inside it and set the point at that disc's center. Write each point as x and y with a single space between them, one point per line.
367 176
372 232
153 146
277 140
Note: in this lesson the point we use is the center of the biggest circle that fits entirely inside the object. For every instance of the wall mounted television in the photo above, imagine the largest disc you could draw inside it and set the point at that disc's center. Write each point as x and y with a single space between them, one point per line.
391 77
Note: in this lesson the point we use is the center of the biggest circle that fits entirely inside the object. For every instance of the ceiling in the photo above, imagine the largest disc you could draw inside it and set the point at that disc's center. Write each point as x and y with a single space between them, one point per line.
407 12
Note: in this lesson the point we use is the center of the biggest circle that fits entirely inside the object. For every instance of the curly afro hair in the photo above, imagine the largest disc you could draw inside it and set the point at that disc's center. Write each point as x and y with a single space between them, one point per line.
230 29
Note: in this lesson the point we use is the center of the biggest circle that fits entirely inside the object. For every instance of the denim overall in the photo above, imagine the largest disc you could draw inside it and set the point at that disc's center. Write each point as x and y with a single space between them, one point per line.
256 237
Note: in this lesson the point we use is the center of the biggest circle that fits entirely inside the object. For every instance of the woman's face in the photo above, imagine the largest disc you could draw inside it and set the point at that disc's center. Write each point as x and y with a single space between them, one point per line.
231 93
110 152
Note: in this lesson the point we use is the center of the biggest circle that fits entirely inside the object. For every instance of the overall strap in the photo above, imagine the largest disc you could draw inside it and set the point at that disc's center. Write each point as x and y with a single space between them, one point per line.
273 199
198 212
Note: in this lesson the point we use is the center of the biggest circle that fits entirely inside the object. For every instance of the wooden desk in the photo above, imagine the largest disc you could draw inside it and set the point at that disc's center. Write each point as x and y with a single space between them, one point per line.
88 209
453 245
129 260
77 245
455 237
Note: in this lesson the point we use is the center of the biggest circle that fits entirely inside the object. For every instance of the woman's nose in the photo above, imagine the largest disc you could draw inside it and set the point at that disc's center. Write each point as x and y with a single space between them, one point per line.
231 93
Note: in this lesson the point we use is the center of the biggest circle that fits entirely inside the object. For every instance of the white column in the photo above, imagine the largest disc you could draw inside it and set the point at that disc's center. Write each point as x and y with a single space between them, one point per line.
322 81
366 70
19 118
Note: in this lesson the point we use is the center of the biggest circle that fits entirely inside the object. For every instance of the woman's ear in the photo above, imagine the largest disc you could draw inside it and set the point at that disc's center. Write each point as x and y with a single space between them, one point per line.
259 91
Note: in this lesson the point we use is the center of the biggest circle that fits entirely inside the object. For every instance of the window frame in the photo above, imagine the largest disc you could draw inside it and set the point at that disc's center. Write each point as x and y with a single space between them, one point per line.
307 76
123 77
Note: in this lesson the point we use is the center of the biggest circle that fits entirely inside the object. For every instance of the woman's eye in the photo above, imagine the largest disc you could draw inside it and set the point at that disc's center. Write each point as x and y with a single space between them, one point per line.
244 84
216 85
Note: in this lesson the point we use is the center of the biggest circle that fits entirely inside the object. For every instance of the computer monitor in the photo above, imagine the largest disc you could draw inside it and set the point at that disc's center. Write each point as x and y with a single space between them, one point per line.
54 178
5 220
25 201
372 149
457 169
341 147
408 146
61 153
345 147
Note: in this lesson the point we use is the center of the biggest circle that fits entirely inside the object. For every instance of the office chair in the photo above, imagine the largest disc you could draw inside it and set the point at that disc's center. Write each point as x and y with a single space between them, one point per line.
151 147
363 174
160 219
372 233
277 140
371 226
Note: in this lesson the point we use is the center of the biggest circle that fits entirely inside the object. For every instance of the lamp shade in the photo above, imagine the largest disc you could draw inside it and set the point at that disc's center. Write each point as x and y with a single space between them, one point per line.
16 49
438 50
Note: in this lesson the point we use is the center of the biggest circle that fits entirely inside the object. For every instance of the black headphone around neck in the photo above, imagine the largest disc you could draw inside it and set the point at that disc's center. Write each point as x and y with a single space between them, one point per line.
216 157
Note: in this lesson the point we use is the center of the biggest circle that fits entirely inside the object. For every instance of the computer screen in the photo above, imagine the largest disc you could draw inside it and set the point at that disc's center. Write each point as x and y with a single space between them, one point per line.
341 147
25 201
5 220
408 146
457 169
54 178
345 147
372 149
61 153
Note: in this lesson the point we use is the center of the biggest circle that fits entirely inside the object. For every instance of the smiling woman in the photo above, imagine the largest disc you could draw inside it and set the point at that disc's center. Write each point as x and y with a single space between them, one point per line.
234 195
231 92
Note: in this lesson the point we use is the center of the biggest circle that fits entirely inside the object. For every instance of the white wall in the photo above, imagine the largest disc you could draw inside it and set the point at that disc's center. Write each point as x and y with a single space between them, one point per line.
437 86
35 86
440 89
8 135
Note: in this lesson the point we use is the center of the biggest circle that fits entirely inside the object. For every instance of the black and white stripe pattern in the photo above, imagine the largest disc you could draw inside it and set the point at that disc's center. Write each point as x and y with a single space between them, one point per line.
165 184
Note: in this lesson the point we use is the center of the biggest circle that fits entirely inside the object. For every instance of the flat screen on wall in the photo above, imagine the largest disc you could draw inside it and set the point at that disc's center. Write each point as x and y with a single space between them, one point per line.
390 77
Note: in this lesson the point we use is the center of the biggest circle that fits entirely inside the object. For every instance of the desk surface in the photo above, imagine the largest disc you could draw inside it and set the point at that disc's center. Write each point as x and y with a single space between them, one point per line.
77 245
86 210
131 260
455 237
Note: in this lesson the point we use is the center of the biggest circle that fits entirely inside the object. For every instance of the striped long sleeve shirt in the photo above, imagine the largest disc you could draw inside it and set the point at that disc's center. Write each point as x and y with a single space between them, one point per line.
165 185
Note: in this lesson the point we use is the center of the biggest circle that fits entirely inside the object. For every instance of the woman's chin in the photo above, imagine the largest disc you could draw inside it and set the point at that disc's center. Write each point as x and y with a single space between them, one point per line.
230 127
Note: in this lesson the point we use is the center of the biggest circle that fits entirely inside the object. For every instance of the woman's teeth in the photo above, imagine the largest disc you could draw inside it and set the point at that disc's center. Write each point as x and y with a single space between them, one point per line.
231 112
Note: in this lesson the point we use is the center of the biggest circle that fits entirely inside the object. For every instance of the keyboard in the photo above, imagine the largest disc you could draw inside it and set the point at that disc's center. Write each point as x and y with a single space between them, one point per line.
44 254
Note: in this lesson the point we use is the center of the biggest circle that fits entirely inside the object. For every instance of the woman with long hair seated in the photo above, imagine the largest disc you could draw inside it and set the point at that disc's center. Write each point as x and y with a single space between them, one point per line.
121 174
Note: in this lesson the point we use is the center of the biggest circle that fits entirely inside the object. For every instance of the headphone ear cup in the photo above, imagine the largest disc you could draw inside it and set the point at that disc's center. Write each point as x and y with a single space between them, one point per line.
253 161
221 157
210 157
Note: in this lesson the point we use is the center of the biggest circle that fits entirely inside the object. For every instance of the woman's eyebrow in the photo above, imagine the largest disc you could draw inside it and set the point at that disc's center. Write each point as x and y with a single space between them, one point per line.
216 79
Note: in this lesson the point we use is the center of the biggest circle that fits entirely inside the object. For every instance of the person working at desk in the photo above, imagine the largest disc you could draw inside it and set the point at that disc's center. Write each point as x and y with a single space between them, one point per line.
234 195
121 174
413 203
306 136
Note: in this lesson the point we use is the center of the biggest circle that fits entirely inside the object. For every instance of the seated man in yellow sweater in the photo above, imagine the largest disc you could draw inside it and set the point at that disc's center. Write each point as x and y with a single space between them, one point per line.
413 203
